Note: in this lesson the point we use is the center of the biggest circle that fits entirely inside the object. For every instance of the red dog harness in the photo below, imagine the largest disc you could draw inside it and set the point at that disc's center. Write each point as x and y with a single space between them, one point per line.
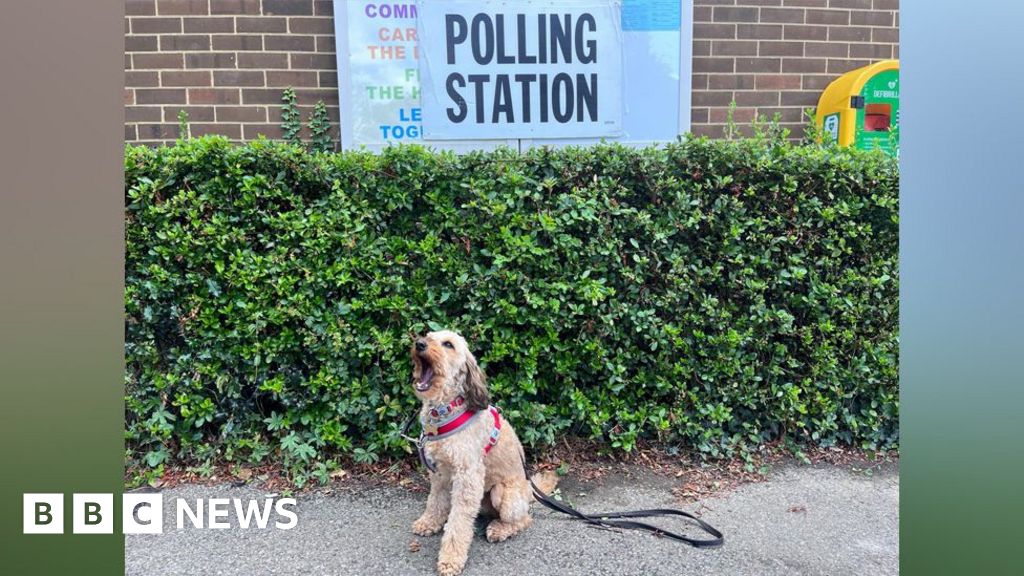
449 419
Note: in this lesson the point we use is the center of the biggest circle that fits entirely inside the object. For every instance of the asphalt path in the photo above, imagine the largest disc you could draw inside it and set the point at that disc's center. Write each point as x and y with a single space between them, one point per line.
813 520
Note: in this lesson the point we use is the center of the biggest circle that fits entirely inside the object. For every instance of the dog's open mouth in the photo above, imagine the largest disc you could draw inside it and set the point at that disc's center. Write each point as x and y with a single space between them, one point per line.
426 376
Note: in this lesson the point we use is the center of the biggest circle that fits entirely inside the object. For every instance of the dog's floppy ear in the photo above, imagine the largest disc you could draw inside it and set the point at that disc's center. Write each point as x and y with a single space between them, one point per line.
475 388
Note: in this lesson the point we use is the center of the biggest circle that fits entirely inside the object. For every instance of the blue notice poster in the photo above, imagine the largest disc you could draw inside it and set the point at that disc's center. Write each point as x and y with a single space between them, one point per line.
649 15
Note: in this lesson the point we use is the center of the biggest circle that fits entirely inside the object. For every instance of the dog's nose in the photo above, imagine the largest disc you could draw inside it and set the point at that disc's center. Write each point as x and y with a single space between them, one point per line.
421 345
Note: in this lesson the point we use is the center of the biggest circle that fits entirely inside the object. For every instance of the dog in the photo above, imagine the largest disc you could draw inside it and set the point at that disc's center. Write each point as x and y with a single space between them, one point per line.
473 454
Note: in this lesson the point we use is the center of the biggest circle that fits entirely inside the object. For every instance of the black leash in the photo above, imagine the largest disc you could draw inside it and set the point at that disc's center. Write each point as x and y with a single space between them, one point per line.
608 520
612 519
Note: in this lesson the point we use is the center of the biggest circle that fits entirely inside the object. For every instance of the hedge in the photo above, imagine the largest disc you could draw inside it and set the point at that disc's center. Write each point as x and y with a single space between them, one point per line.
709 295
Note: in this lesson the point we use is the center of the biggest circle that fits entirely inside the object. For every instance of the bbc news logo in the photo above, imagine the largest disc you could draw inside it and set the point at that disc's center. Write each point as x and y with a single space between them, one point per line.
144 513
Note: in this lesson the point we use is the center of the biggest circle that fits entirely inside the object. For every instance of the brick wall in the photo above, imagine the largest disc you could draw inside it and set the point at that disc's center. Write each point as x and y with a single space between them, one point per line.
776 56
226 62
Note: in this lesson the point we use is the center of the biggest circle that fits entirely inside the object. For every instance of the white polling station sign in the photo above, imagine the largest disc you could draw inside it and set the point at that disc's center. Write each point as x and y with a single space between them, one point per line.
532 69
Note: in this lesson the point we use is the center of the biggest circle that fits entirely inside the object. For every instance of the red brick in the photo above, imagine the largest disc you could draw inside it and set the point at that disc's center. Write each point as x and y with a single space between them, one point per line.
708 130
719 115
794 114
759 64
210 60
325 44
806 33
181 42
889 35
707 30
238 78
241 114
233 131
800 98
841 17
235 7
160 96
871 18
313 61
712 98
130 135
142 114
713 64
872 51
761 2
855 4
804 65
698 115
195 113
807 3
291 78
702 14
730 82
849 34
140 44
842 66
309 96
261 96
261 24
759 31
191 7
323 7
160 61
262 60
146 79
155 25
782 15
157 131
127 61
238 42
191 78
826 49
757 98
698 81
734 48
128 96
778 82
253 131
139 7
311 25
213 96
702 48
886 4
209 25
288 7
731 14
328 78
816 82
781 49
289 43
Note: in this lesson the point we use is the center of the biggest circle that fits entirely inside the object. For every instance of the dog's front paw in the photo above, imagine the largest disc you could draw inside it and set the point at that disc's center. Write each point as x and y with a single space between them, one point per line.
426 526
449 568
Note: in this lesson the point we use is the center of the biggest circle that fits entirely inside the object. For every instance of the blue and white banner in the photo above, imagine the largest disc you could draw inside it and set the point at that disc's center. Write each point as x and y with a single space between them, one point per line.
528 69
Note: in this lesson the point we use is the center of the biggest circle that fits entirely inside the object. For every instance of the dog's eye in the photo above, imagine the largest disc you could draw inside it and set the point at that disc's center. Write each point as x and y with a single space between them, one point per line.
447 344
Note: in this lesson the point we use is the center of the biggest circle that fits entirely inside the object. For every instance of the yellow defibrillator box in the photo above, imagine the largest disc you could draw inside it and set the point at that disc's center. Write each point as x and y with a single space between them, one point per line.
862 108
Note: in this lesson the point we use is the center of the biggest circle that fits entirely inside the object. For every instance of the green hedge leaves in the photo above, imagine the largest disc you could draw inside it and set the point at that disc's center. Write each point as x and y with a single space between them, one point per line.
713 295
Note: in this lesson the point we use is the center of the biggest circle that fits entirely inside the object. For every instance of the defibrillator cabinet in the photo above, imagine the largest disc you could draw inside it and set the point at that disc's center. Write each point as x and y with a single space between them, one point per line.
862 108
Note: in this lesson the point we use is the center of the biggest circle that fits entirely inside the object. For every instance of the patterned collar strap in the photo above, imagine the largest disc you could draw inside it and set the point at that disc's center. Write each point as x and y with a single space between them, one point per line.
454 427
447 418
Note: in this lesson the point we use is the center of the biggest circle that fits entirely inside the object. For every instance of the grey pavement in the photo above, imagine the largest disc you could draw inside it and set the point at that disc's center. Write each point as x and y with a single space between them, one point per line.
805 520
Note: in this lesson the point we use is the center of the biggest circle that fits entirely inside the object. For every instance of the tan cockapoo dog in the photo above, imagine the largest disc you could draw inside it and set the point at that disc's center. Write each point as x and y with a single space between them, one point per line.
474 454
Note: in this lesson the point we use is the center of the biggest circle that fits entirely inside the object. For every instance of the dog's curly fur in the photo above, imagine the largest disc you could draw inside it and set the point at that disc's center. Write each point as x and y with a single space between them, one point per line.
467 481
